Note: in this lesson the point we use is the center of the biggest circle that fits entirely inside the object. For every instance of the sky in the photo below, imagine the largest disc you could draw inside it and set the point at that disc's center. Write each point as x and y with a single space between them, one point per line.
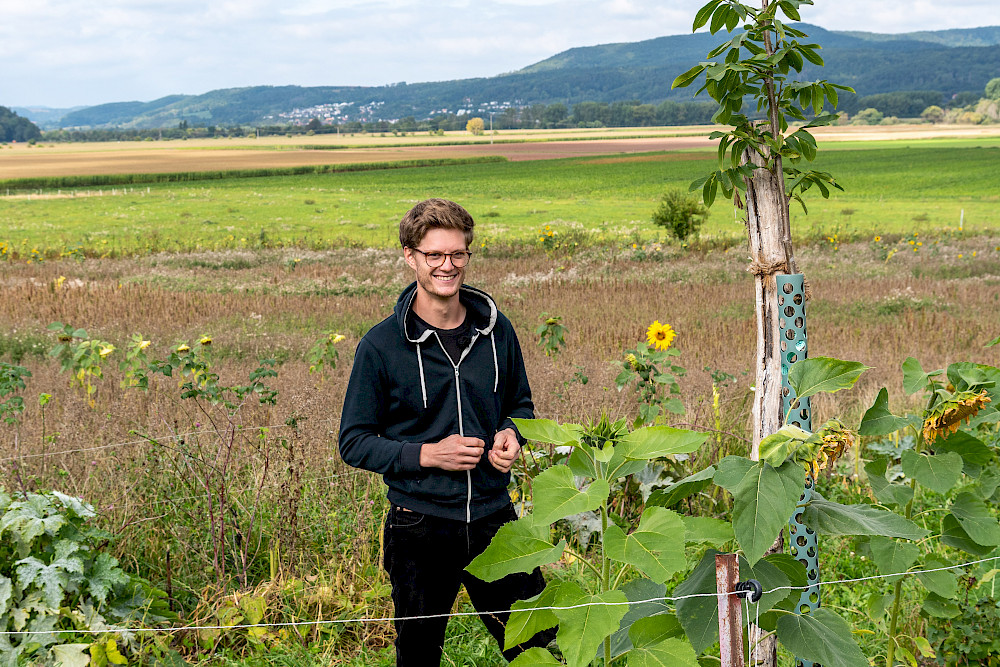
68 53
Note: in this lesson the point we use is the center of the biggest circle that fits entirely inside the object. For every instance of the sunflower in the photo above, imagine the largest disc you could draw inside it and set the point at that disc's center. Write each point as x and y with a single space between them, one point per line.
660 336
948 415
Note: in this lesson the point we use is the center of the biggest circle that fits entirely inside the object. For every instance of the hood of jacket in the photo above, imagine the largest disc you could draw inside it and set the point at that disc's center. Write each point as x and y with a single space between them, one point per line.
479 305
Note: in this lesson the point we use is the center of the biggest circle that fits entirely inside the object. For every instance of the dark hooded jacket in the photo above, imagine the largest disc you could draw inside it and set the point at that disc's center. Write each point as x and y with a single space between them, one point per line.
405 391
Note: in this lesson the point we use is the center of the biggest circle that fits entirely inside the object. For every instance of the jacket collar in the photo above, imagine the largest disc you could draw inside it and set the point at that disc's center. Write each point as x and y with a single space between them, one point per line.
479 304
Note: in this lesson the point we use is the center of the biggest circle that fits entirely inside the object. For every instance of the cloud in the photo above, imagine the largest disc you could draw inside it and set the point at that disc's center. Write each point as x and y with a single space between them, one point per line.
66 52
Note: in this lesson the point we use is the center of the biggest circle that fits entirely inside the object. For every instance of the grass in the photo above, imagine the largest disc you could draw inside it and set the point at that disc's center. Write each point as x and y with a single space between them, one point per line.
898 189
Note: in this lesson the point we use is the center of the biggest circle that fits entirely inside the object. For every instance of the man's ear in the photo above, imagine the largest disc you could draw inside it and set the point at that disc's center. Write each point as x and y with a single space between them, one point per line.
408 256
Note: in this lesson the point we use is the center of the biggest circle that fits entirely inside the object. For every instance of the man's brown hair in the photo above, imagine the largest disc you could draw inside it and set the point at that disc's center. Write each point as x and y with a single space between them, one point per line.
434 214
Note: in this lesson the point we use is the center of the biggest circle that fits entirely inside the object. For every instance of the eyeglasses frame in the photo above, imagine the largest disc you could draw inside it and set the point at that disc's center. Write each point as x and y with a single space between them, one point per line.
447 255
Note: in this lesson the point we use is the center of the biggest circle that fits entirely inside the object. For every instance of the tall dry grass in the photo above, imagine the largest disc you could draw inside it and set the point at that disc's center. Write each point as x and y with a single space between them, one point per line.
316 521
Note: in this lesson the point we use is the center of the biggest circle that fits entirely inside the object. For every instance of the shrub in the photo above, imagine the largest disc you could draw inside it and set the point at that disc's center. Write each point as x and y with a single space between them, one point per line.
869 116
56 579
933 114
475 126
681 213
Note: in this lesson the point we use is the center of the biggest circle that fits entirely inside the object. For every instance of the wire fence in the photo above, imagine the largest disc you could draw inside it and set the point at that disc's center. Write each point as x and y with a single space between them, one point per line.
582 605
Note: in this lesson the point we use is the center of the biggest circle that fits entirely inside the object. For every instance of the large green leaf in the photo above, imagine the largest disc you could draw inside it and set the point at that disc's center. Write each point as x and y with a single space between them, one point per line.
71 655
654 629
764 497
938 472
103 575
811 376
832 518
657 441
941 582
878 420
699 616
6 593
939 607
706 530
914 377
556 496
527 617
953 535
670 652
645 606
886 492
653 548
820 636
770 577
781 444
974 452
975 517
535 657
681 489
546 430
519 546
893 556
585 620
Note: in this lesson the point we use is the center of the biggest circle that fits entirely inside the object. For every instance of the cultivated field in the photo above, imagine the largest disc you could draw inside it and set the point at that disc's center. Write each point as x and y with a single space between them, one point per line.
266 266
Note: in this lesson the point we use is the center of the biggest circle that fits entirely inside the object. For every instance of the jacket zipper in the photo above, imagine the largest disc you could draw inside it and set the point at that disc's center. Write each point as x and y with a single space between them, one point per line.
461 425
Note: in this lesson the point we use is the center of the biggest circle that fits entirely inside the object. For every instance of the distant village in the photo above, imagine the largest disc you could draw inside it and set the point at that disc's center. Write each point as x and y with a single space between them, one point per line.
336 113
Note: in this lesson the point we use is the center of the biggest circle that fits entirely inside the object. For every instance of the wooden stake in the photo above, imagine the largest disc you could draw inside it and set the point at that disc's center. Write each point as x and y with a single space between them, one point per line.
727 574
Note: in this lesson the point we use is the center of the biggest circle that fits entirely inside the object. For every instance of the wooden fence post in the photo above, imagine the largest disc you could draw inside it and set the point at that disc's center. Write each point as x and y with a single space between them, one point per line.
727 574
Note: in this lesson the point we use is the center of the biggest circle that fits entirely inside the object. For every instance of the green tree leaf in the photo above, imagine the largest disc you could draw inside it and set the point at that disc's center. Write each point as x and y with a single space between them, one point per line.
653 547
670 652
657 441
519 546
546 430
556 496
892 556
976 519
527 619
584 625
832 518
6 593
938 472
535 657
820 636
764 497
823 374
878 420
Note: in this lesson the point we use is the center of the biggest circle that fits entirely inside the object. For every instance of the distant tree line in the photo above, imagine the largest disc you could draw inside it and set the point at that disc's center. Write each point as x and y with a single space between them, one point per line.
16 128
538 116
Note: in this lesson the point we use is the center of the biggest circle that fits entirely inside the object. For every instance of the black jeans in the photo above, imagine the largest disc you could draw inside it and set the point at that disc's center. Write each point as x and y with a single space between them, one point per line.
425 557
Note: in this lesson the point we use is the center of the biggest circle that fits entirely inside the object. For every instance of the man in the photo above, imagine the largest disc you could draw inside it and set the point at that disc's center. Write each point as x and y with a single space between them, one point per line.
429 406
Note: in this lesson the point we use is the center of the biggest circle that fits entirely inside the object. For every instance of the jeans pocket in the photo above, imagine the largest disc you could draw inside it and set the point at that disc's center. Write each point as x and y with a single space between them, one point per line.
402 518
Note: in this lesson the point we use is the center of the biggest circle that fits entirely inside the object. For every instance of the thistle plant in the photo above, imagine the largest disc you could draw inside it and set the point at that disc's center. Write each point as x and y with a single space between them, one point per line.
648 367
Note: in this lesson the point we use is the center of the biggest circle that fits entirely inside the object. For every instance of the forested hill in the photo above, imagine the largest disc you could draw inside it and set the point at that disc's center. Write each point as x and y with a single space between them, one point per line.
946 62
16 128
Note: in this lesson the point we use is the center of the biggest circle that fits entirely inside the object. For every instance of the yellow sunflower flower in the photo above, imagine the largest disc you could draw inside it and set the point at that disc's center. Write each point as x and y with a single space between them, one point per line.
184 347
660 336
336 338
143 344
106 350
205 340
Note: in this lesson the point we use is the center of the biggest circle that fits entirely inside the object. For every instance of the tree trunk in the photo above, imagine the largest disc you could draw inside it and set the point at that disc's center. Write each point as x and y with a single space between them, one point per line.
767 210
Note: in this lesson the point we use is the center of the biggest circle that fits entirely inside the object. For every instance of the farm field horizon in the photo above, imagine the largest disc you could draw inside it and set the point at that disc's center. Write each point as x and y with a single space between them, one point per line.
932 186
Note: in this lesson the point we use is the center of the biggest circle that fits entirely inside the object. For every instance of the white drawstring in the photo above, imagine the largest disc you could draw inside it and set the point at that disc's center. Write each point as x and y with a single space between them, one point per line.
423 387
496 366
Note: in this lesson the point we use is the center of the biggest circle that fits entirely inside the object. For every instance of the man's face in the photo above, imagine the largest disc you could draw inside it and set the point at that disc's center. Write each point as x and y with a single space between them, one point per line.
440 282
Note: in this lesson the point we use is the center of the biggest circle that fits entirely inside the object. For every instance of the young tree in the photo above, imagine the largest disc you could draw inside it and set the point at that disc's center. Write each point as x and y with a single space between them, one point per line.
759 162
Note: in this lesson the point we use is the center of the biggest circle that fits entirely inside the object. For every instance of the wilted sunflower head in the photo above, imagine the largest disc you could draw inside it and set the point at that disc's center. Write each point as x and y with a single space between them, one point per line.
945 417
632 362
835 439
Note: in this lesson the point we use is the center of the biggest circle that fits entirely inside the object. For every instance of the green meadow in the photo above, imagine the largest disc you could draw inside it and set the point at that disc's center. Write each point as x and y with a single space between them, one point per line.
890 188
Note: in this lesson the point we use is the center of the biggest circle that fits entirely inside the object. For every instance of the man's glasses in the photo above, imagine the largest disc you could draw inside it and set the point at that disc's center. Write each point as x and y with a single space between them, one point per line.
459 258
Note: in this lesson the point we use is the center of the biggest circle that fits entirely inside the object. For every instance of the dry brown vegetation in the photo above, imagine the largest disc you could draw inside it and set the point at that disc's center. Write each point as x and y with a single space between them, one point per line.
318 518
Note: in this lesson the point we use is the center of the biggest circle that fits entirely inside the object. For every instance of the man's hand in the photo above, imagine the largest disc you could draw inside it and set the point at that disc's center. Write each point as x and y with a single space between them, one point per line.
505 450
455 452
